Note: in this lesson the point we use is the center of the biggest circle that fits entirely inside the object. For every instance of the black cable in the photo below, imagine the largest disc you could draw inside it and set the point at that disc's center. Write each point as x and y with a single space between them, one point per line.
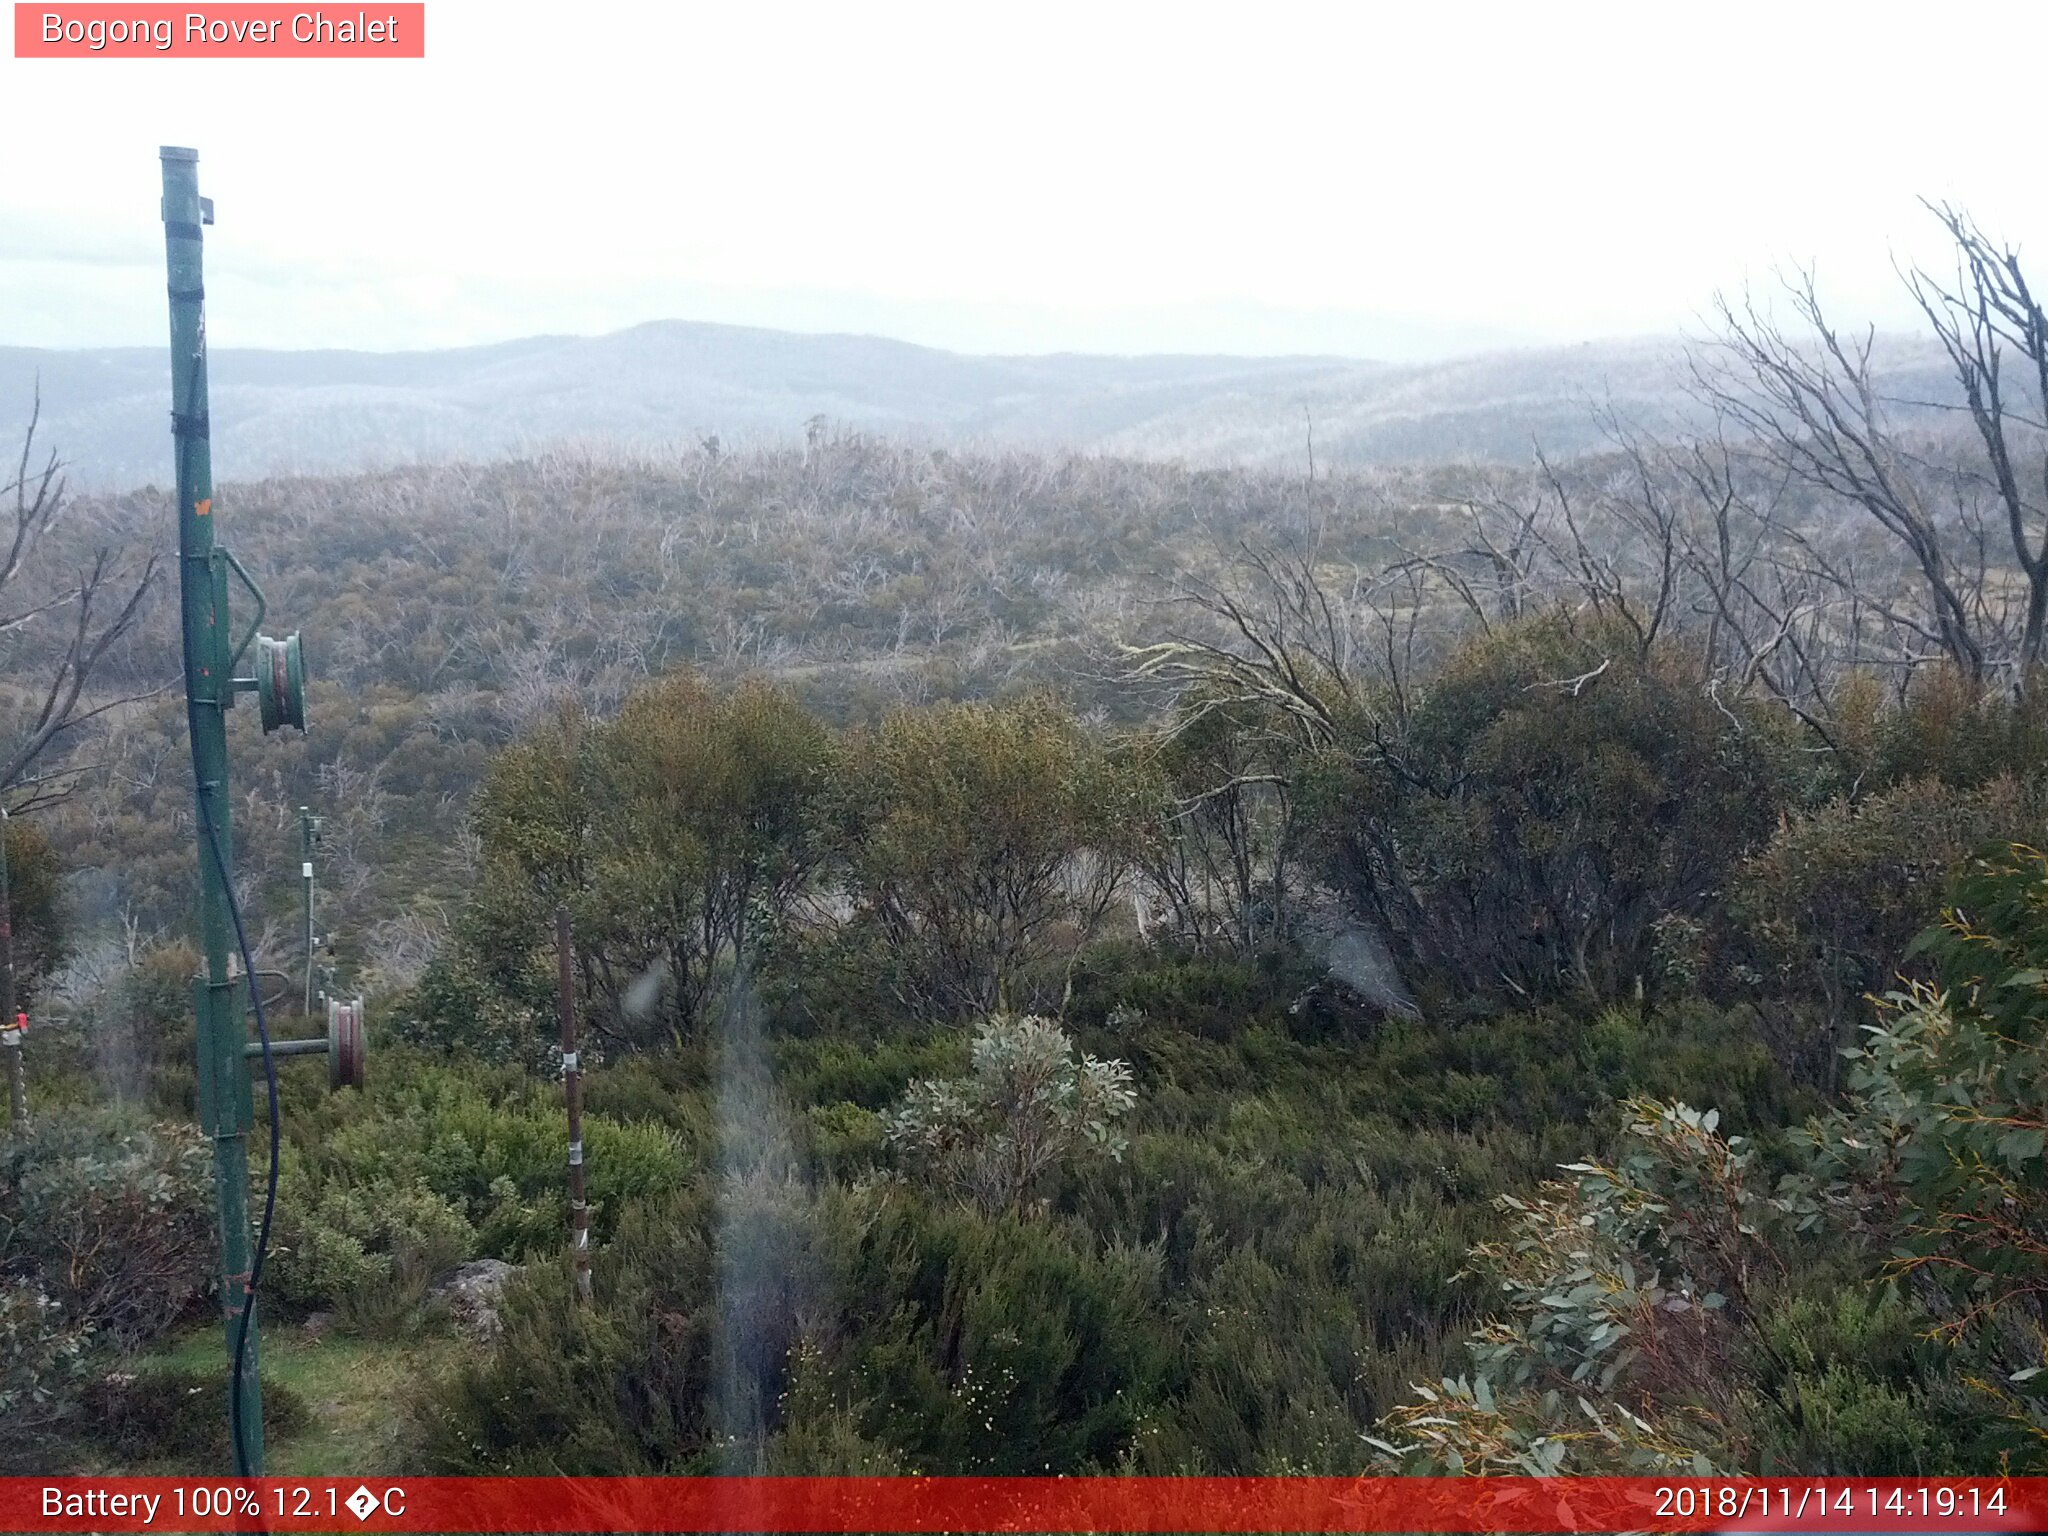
235 1426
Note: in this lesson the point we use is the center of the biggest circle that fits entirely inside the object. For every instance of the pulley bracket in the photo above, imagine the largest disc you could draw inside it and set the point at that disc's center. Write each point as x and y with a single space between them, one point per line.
344 1045
281 682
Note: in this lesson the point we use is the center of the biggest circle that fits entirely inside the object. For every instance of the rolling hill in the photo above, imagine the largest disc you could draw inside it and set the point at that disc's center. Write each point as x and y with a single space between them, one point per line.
280 412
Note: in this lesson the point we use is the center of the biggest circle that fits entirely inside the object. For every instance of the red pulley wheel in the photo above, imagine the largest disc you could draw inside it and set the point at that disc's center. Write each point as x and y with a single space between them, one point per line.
345 1043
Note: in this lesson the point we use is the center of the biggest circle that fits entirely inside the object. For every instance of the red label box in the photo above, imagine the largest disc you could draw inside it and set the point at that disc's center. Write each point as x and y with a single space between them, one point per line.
231 30
842 1506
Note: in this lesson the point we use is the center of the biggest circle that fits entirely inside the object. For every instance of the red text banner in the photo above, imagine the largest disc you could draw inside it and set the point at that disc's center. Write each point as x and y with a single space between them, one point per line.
922 1504
225 31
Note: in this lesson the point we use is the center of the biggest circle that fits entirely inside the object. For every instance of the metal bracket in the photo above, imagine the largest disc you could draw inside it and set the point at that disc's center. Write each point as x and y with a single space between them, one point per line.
249 582
220 1006
342 1045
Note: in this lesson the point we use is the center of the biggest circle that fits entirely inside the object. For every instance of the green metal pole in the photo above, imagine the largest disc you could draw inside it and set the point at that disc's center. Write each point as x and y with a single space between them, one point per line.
225 1106
306 873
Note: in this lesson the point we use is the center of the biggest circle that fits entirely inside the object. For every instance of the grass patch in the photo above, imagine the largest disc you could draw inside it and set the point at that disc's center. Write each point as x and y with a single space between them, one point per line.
349 1390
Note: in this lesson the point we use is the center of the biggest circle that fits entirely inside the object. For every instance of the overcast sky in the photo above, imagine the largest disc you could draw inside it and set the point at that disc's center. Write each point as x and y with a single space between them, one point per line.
1365 178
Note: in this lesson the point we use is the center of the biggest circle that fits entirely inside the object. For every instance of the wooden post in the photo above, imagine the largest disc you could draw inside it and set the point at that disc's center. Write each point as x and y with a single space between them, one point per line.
572 1088
10 1033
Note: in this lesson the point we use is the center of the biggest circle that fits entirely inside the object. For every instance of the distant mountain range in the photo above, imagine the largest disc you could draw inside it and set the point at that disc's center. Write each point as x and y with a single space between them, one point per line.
276 412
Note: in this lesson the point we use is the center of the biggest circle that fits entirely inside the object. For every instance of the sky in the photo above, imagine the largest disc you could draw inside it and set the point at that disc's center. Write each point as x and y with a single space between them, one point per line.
1374 179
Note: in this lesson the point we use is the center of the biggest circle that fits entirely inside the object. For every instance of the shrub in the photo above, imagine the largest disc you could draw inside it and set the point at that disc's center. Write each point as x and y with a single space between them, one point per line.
106 1238
155 1002
372 1253
1940 1149
776 1328
1521 826
1028 1108
679 835
35 905
872 1073
986 843
1623 1288
999 1346
491 1143
635 1382
486 995
1213 996
667 1087
1946 729
1218 859
568 1390
44 1366
1830 905
844 1138
1850 1382
112 1218
157 1414
1663 1312
133 1022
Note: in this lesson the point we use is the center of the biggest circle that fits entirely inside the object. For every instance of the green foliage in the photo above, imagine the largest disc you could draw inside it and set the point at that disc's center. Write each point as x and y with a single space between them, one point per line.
1225 832
1027 1109
871 1073
488 994
1553 820
1523 823
44 1366
111 1217
137 1030
454 608
384 1193
105 1242
1623 1289
626 1385
106 1239
1254 1283
668 1087
956 1343
372 1253
1212 996
1849 1382
35 906
978 847
1002 1347
678 834
717 830
846 1140
1554 830
173 1417
987 843
1940 1146
1828 908
1944 729
1662 1313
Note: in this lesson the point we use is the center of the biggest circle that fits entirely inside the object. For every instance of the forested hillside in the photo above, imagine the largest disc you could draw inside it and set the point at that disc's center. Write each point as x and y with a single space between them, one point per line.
1097 965
676 382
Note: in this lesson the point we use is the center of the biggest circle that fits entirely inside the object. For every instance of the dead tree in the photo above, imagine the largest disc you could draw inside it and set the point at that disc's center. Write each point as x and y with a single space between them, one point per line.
1985 310
91 606
1968 521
